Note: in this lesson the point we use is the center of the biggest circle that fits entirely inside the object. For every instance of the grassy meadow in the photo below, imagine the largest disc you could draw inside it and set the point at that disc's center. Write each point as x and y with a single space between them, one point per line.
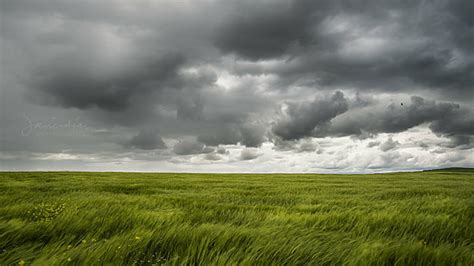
77 218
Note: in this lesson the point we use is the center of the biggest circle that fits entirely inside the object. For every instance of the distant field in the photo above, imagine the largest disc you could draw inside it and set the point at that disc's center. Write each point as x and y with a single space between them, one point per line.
61 218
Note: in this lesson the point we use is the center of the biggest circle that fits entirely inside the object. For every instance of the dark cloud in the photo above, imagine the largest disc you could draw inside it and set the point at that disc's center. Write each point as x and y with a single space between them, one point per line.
374 45
219 71
252 135
212 157
394 117
422 145
76 86
186 147
389 144
460 142
373 144
459 127
331 117
267 30
455 119
146 140
300 119
222 150
249 154
190 109
226 135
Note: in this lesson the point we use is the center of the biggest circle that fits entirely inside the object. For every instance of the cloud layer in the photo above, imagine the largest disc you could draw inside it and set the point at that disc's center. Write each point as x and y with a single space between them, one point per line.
221 84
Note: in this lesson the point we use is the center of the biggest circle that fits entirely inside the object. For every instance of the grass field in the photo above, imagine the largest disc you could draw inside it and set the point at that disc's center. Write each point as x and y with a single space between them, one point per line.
61 218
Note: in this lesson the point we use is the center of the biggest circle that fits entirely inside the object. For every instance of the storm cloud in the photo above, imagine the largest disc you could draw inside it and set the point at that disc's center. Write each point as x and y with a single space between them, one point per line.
238 80
146 140
301 119
191 147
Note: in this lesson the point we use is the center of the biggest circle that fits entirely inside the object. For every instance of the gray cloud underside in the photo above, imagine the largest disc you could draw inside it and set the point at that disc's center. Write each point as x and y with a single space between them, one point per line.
249 154
321 118
155 70
191 147
146 140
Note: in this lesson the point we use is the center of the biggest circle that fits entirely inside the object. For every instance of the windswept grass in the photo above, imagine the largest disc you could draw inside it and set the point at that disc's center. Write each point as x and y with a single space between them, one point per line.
62 218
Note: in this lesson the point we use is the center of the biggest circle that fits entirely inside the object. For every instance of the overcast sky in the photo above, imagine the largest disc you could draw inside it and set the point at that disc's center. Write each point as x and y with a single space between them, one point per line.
236 86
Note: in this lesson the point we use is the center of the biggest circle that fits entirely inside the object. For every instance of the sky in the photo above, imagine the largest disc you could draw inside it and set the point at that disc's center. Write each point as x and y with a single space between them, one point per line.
236 86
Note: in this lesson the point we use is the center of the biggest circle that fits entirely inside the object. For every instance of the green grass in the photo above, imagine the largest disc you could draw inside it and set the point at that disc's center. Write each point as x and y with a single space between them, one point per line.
61 218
